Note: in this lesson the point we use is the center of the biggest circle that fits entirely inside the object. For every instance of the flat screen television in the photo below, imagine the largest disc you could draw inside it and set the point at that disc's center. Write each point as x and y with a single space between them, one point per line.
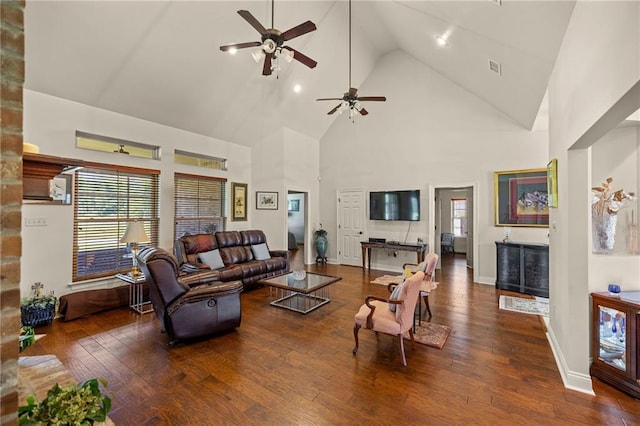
394 205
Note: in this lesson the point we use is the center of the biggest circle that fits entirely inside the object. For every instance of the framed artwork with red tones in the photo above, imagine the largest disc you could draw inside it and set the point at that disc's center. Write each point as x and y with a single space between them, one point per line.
521 198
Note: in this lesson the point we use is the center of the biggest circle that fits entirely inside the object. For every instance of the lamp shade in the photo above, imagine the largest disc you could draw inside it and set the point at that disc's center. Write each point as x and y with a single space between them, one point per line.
134 233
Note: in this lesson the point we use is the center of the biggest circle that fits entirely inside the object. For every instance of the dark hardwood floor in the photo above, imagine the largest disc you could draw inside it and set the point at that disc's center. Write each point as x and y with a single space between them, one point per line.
282 368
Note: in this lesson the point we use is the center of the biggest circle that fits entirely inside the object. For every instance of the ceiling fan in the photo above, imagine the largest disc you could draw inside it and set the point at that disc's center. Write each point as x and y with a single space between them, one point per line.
350 100
272 42
121 150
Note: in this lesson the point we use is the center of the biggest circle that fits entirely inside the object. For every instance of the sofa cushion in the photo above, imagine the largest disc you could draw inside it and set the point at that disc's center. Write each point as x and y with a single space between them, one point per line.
189 246
276 264
235 255
252 237
231 273
260 251
228 238
212 259
253 267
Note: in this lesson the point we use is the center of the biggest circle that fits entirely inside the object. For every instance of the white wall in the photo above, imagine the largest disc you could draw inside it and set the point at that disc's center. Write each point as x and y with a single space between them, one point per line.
286 160
429 132
51 122
598 63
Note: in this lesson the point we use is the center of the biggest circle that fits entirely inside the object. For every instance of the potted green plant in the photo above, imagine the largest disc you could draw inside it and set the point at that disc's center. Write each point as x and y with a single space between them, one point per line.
81 404
38 309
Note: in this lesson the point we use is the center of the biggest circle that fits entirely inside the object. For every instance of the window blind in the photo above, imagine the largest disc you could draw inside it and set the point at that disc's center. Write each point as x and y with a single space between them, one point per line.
199 204
107 198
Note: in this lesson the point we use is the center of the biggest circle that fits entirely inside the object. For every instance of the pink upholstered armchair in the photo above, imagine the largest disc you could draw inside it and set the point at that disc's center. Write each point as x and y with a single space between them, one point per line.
429 269
378 314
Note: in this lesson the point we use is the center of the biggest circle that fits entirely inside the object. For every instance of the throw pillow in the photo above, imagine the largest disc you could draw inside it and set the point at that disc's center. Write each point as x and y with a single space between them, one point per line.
261 251
212 259
395 295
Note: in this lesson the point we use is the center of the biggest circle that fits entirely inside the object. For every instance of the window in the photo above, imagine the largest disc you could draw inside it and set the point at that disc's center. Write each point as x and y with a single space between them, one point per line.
107 198
200 204
118 146
459 217
183 157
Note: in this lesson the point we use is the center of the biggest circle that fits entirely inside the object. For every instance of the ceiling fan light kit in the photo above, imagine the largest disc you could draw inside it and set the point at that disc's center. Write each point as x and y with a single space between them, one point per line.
271 44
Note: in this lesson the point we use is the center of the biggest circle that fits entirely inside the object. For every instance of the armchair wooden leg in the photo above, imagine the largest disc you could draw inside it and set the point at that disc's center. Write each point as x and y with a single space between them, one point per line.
356 328
413 342
404 360
426 302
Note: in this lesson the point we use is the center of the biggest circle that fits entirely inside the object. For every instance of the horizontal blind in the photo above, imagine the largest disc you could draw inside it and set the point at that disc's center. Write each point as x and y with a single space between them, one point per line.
106 200
199 204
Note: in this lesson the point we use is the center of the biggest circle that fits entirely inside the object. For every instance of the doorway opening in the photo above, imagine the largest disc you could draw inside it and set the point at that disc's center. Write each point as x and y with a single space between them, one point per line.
297 227
453 217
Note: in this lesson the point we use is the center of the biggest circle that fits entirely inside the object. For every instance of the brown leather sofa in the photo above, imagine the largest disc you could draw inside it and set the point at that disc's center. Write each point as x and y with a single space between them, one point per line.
188 313
237 250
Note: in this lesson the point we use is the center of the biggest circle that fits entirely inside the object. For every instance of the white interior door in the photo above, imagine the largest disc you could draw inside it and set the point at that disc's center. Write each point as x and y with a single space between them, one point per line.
351 216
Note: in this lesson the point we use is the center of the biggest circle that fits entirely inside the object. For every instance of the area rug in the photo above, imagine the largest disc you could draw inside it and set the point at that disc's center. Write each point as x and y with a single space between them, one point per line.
430 334
537 306
388 279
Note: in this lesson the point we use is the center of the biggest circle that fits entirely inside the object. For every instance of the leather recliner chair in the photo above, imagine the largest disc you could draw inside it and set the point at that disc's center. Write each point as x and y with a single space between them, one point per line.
188 313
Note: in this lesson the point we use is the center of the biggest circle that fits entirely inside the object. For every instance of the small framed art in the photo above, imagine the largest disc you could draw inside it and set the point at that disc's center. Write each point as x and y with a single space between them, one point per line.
552 183
238 201
266 200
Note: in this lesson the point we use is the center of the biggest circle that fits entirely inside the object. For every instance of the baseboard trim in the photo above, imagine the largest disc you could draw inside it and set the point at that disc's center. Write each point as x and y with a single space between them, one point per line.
572 380
487 280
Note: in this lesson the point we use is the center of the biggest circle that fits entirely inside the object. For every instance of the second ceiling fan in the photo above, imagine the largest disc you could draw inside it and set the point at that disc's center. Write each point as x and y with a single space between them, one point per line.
350 100
272 42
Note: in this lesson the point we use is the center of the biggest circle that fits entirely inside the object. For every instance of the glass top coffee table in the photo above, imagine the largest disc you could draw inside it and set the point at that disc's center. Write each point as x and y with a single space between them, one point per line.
300 295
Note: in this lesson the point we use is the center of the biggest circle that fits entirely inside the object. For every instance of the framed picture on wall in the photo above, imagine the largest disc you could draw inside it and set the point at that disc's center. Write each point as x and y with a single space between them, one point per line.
552 182
520 198
294 205
238 202
266 200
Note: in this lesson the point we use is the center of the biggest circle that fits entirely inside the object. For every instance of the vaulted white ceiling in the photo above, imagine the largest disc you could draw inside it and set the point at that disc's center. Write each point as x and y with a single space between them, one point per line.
160 60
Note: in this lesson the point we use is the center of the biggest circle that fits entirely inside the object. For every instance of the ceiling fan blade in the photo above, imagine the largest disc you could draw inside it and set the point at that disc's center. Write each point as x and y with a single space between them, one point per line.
329 99
240 45
301 57
363 111
333 110
252 21
305 27
372 98
266 69
353 92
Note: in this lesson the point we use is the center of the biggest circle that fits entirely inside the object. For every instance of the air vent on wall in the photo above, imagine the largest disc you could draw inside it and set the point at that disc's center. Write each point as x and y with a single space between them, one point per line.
495 67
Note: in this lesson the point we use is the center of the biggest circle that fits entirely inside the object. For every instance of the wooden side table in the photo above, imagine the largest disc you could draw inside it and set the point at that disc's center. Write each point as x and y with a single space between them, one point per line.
136 293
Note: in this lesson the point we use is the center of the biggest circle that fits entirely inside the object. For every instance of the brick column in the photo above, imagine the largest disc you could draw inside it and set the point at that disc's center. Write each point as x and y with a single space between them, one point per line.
11 82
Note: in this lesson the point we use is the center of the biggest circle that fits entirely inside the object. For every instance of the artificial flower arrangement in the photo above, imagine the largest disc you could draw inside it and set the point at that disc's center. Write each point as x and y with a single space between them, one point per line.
81 404
605 200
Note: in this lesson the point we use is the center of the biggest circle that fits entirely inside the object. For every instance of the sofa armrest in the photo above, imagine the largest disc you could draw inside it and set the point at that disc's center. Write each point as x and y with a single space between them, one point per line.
279 253
189 268
205 292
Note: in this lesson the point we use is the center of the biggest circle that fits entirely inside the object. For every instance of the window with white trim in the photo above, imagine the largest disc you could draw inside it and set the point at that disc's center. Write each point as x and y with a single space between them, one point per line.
199 204
459 217
107 198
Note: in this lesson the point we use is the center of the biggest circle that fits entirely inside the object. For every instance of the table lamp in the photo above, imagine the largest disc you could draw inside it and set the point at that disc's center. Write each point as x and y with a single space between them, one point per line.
134 234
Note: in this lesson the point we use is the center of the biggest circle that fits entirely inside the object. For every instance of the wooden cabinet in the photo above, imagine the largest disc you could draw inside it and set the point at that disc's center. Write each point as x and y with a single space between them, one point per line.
38 170
523 267
615 322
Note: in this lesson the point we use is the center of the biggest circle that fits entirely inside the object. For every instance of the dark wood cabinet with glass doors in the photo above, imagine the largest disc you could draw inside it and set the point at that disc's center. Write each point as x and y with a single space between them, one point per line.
615 322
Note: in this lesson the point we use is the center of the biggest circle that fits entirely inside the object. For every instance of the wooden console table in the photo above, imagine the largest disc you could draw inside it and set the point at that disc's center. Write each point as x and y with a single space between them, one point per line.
420 250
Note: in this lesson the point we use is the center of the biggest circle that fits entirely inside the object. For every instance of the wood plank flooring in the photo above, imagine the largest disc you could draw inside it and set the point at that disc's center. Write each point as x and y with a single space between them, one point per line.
284 368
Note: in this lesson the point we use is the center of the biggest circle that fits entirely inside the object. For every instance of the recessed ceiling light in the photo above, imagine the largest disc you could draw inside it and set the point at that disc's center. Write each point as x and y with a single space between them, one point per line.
297 88
441 41
232 51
